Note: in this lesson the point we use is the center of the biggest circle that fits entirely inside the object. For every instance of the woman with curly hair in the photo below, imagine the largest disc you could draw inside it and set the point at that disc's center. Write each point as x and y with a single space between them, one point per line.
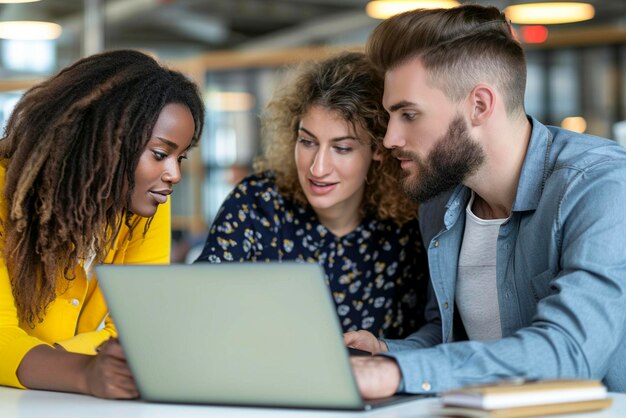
326 191
87 162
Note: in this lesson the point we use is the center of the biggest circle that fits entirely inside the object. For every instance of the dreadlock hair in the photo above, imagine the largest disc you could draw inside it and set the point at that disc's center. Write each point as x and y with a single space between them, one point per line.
350 86
70 150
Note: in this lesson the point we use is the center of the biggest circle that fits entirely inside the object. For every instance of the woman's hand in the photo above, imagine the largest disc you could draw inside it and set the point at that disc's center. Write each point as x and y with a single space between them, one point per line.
107 374
364 340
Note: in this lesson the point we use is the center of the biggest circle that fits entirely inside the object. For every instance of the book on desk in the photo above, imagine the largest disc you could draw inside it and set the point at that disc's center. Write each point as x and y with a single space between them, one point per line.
525 399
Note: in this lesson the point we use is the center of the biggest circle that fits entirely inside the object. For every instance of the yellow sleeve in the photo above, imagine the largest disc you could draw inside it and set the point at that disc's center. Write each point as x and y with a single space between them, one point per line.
87 342
14 341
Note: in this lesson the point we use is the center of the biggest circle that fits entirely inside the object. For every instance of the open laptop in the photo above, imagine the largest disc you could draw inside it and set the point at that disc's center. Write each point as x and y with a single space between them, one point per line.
253 334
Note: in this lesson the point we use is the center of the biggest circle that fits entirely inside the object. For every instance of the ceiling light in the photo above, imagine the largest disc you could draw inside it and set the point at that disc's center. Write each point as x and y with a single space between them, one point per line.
549 13
27 23
29 30
382 9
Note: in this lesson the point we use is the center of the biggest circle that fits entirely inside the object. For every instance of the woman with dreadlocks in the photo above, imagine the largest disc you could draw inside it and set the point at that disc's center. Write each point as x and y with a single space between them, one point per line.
87 162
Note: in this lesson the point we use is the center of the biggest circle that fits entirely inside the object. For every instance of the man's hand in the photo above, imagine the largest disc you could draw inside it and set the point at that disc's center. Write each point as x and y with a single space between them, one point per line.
376 377
364 340
108 375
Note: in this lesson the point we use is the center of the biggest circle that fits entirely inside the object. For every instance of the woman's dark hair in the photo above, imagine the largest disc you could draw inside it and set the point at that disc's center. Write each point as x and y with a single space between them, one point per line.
70 150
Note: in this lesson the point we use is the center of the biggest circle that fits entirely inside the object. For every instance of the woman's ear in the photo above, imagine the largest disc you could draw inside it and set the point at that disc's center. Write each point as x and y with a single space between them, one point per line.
377 155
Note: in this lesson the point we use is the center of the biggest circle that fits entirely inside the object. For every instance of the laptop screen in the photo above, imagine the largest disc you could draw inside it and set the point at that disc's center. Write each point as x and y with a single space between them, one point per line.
263 334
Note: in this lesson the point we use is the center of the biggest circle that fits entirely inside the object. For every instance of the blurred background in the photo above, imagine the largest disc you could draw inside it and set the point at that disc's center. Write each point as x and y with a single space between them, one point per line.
239 50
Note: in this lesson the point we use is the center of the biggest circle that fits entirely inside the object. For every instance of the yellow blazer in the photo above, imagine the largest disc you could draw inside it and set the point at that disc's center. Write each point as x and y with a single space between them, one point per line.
78 318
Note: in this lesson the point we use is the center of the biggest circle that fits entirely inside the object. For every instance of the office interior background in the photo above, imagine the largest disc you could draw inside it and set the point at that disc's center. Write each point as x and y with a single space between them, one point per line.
238 51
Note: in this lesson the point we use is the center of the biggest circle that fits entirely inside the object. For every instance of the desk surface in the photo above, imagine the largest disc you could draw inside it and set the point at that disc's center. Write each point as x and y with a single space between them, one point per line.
15 403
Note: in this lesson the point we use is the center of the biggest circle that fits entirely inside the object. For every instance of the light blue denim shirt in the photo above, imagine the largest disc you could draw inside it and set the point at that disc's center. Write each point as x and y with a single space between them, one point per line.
561 274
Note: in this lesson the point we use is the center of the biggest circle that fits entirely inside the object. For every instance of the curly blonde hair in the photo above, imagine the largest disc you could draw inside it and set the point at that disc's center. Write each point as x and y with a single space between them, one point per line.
349 85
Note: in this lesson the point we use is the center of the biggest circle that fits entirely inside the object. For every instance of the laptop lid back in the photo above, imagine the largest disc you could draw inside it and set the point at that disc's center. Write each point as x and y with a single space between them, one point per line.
262 334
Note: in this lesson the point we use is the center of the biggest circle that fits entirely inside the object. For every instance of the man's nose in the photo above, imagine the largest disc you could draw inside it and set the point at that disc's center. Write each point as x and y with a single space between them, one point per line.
393 137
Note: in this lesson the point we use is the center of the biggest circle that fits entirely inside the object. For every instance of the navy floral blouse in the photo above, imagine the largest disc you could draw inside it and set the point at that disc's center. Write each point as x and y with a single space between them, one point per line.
377 274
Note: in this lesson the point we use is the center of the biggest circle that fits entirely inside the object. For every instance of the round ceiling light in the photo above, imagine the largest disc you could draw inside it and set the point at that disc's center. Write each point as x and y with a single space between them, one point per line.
382 9
29 30
549 13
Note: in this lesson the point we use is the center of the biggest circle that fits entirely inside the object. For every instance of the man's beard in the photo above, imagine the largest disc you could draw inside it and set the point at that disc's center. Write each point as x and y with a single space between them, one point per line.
455 157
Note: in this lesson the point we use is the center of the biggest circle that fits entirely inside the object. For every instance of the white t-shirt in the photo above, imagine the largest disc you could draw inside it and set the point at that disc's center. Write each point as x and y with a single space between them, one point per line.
476 293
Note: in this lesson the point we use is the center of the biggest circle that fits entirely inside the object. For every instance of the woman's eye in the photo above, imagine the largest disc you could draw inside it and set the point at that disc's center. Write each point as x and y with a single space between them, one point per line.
305 142
159 155
343 150
181 158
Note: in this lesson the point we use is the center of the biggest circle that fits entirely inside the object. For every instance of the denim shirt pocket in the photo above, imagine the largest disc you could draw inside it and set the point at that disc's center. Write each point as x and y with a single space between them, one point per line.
540 285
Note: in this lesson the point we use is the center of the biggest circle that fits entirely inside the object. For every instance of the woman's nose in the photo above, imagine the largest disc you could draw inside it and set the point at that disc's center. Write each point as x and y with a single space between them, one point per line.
321 165
172 174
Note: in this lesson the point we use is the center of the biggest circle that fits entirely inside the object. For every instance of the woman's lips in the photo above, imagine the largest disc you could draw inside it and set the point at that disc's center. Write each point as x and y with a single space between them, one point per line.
160 196
319 187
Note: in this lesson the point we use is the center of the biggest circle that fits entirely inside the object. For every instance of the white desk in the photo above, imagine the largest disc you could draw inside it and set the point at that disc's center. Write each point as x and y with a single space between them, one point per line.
15 403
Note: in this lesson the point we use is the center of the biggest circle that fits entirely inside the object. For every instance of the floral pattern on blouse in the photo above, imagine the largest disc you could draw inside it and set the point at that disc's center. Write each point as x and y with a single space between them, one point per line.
377 274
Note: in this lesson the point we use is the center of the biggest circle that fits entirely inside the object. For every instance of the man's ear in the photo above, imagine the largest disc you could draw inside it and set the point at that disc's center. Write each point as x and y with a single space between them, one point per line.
482 102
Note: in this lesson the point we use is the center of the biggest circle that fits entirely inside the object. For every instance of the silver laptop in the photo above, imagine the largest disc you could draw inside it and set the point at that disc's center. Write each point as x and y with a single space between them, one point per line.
256 334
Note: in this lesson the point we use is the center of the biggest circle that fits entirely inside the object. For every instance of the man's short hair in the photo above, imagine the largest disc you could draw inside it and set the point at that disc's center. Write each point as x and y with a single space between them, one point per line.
460 47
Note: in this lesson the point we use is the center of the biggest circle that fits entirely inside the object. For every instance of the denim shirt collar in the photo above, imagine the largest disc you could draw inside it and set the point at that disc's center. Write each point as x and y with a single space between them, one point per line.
456 205
535 169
